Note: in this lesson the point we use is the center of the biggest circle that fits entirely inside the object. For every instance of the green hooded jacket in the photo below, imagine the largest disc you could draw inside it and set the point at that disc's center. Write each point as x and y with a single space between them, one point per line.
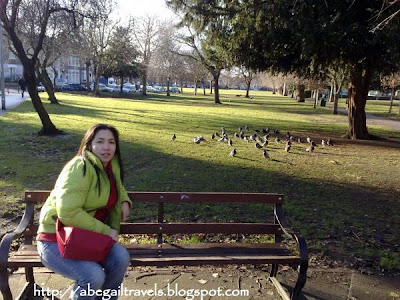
76 198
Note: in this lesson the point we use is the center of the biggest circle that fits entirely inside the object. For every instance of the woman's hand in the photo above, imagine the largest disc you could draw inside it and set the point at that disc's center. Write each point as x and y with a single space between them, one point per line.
125 211
113 234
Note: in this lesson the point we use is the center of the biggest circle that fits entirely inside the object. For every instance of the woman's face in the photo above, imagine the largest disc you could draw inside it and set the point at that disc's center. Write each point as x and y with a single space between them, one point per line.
104 146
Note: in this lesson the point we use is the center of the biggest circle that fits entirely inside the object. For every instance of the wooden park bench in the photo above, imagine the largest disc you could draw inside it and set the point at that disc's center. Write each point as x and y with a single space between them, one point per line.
164 254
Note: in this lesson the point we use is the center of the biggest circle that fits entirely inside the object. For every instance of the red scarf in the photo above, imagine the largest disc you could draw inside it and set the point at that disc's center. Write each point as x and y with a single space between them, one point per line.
103 213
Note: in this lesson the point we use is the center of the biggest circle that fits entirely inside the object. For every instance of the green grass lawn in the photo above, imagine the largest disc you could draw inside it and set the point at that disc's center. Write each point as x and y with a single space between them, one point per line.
344 199
379 108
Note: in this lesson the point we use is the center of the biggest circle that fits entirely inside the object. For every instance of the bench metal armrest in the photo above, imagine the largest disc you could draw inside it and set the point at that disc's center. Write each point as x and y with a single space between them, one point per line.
7 239
301 242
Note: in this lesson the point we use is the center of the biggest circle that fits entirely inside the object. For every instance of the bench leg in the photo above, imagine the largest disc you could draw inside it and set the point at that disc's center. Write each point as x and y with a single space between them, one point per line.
301 281
5 285
274 270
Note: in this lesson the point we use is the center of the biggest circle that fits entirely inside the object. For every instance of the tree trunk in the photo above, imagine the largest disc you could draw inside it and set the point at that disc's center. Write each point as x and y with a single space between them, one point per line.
30 78
248 89
195 87
144 82
391 101
211 86
284 91
300 93
335 103
216 88
48 86
181 86
359 83
168 83
332 93
337 90
316 98
204 88
87 64
96 80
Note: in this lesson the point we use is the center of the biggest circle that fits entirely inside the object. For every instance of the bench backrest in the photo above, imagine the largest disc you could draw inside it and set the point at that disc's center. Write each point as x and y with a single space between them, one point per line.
187 228
165 197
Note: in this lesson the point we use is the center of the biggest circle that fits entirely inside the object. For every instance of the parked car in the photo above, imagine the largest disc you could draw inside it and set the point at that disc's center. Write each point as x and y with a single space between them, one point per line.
102 87
129 88
40 88
116 88
73 87
174 89
158 89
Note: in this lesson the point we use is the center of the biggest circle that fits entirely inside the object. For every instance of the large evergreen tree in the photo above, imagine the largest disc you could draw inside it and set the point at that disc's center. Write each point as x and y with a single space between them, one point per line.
308 37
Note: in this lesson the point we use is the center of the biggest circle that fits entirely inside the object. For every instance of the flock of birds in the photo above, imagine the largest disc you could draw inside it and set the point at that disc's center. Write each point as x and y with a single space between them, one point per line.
261 139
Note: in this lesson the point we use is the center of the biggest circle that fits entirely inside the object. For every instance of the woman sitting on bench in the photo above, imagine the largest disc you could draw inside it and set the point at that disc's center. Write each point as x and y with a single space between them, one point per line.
88 194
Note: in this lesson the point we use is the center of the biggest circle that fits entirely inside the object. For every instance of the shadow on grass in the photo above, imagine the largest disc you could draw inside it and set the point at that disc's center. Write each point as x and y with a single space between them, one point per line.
329 215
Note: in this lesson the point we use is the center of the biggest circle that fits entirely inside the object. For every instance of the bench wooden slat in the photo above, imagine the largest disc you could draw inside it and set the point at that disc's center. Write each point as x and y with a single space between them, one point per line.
188 228
183 254
205 197
41 196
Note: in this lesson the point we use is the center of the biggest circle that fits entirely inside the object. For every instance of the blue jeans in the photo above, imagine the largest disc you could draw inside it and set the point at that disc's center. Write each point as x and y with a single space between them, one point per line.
89 276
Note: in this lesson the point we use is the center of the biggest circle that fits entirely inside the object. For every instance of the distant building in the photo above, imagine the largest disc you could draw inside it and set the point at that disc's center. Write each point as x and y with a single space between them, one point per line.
69 69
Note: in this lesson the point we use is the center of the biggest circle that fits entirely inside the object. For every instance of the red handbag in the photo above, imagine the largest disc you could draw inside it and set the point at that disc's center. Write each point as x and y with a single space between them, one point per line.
82 244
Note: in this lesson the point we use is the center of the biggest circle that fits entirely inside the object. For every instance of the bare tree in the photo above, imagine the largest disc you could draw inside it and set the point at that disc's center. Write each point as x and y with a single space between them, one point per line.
94 39
248 77
338 78
12 18
146 33
391 81
59 41
166 58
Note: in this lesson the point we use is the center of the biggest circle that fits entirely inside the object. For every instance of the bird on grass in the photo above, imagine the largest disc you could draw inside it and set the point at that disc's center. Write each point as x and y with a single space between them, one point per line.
277 140
236 135
233 152
266 137
213 136
256 130
247 128
265 144
240 129
276 131
313 144
287 148
329 142
265 131
199 139
310 149
258 146
309 140
230 143
323 143
265 154
173 137
288 135
299 140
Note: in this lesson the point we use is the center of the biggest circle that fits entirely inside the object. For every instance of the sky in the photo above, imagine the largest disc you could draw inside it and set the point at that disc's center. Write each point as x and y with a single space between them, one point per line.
142 7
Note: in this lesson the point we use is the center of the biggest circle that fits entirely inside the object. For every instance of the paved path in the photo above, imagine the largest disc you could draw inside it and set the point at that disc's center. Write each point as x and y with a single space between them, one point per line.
13 100
322 283
371 119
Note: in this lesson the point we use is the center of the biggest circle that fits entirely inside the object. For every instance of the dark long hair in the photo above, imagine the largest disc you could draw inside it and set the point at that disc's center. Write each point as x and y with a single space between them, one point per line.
86 144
